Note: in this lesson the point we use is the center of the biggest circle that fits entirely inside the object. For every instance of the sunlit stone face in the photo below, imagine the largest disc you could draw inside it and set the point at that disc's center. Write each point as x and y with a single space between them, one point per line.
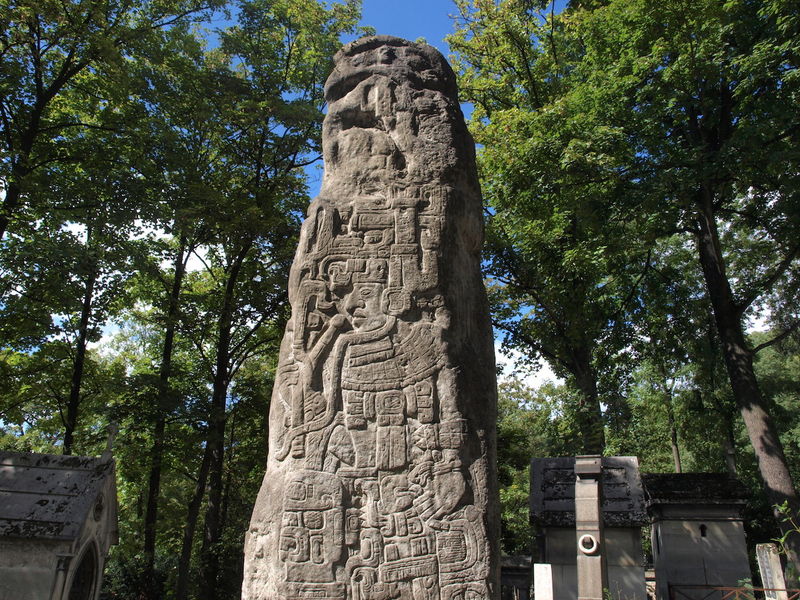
380 479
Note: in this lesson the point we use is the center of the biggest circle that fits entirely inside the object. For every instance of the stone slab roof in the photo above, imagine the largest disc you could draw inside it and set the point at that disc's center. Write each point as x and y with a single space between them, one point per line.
48 496
553 492
693 488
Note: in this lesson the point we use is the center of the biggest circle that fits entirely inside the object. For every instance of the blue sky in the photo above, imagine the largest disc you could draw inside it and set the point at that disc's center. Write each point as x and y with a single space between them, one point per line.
411 19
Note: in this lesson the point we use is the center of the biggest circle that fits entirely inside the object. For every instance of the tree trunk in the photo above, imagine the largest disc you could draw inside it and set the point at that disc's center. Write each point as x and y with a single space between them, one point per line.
739 363
209 553
228 477
73 403
590 415
729 448
673 436
163 403
673 429
185 562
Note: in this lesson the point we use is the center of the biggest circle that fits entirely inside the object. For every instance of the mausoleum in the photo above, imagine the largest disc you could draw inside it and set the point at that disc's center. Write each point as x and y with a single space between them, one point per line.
58 518
697 532
619 547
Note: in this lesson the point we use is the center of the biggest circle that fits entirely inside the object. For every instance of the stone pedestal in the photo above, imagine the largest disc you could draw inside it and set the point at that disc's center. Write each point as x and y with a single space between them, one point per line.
380 480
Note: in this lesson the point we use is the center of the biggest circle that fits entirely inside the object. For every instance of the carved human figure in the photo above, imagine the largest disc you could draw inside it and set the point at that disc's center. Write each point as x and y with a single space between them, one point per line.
379 482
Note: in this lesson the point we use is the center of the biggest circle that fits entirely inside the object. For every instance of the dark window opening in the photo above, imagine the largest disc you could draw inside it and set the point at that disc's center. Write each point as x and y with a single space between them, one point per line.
83 581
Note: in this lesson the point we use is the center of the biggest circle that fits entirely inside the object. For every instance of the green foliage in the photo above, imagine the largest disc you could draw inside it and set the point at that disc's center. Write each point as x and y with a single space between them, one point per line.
152 191
640 164
564 257
531 423
152 188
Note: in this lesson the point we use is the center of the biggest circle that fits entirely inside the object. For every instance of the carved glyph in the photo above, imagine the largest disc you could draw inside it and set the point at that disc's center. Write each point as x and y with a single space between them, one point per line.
379 482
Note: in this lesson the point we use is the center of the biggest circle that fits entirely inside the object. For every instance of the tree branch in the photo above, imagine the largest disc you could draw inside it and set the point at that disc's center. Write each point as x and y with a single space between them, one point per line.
766 284
781 336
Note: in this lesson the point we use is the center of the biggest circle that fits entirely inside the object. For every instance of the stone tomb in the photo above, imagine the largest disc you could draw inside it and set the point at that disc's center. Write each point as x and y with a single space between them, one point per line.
697 531
515 577
380 480
58 518
619 549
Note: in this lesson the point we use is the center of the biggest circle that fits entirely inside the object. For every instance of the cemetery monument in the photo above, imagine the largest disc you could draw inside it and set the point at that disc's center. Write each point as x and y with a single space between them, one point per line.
380 480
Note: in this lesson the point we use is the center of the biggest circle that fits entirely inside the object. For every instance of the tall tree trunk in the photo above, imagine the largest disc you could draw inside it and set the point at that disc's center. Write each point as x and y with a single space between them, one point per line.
729 439
729 448
739 363
673 433
209 553
185 561
163 402
228 477
74 400
590 416
673 429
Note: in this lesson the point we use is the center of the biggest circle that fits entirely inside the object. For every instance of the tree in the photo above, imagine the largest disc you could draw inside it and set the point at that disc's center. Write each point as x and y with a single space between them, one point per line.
65 277
47 51
530 424
198 154
564 258
703 103
269 73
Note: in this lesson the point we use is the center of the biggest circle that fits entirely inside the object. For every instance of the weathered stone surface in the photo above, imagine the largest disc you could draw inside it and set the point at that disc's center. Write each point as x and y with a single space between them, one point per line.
380 477
58 519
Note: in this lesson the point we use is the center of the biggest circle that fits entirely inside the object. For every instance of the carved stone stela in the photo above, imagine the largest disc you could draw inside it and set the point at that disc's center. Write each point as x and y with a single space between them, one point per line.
380 481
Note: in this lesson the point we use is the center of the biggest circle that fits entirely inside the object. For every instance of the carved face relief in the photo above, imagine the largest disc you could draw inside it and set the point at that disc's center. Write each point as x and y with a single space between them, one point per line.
363 306
386 55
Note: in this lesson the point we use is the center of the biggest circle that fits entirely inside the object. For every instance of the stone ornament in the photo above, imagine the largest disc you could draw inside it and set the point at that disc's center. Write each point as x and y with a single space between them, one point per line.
380 480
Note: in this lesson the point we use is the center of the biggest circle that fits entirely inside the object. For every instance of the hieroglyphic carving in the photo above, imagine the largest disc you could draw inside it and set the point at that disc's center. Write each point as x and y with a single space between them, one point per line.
379 479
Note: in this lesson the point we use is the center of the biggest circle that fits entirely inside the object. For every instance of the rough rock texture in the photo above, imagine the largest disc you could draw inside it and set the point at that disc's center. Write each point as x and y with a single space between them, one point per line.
380 481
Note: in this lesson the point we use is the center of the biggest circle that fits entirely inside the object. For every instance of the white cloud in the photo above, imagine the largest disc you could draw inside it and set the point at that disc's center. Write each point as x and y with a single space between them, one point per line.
514 364
103 345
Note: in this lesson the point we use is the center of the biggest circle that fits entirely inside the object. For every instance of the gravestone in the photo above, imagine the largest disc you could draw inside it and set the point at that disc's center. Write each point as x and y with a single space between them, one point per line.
542 581
380 480
769 565
590 550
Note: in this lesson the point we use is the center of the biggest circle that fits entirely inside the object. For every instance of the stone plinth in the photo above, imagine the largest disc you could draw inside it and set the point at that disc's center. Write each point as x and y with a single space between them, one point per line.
380 477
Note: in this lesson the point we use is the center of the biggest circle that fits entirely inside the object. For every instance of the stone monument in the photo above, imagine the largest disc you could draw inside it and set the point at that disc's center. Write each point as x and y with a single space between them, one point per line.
380 480
697 533
589 512
769 565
